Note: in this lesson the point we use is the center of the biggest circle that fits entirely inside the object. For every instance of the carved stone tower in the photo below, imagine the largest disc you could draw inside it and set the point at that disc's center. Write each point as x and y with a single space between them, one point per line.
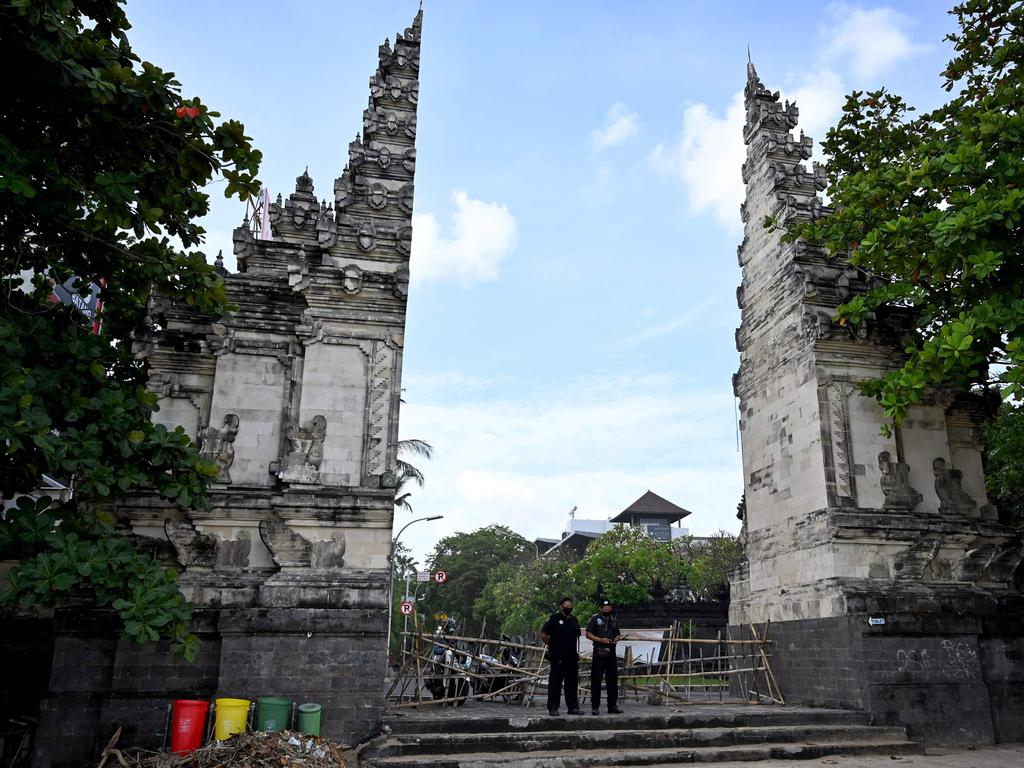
887 577
296 397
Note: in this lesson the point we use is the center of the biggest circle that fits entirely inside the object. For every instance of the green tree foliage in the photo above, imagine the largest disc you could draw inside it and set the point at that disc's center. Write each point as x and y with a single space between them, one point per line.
517 598
103 170
931 205
624 565
470 559
1004 467
408 473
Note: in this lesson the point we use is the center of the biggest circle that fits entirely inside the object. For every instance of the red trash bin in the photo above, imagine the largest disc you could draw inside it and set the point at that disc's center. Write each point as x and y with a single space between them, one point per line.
188 721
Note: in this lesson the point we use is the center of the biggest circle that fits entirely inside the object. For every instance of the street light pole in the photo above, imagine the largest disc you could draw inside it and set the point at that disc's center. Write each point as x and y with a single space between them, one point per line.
391 574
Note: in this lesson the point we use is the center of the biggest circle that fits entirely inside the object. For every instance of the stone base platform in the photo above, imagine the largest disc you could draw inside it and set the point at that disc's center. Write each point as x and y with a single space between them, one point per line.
493 735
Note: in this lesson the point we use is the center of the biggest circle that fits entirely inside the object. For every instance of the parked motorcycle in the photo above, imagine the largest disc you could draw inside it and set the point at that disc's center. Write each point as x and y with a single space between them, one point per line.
494 676
447 677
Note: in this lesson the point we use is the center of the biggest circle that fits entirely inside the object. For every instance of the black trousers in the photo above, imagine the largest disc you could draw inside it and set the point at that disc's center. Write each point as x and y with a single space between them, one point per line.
608 668
564 672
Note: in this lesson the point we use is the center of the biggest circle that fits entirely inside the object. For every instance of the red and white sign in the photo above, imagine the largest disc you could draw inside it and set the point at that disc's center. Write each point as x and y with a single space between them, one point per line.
406 608
441 577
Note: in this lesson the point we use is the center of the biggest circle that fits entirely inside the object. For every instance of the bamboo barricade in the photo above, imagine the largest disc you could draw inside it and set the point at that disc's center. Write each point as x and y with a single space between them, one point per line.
683 674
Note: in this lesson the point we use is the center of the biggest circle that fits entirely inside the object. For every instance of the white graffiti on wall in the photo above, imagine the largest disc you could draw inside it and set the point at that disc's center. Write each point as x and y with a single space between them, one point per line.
958 661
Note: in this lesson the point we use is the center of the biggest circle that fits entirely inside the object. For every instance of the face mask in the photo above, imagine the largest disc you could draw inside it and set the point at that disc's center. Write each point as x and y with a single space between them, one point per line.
566 611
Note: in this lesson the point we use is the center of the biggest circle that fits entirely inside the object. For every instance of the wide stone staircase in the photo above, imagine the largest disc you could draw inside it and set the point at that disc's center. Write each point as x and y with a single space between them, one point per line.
485 737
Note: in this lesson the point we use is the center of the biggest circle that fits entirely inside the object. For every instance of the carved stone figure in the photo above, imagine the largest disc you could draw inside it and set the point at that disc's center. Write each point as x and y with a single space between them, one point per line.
218 445
952 498
895 482
306 451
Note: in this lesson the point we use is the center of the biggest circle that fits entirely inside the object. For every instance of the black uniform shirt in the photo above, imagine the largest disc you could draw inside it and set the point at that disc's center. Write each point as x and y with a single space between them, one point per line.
564 631
601 625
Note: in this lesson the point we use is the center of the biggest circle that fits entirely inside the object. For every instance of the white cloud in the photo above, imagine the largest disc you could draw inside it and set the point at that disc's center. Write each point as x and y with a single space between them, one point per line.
707 158
483 235
709 153
619 125
597 444
868 41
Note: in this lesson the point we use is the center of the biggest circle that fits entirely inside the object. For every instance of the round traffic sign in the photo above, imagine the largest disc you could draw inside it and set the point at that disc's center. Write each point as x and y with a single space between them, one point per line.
441 577
406 608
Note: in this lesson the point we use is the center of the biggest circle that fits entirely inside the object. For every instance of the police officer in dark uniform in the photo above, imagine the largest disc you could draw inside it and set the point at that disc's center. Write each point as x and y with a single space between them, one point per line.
603 629
561 634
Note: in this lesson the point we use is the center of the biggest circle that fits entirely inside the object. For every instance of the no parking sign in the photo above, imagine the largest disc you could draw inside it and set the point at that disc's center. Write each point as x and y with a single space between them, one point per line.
441 577
406 608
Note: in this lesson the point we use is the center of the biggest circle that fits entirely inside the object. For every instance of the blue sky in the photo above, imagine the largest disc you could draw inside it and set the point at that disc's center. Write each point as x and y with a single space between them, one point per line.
571 318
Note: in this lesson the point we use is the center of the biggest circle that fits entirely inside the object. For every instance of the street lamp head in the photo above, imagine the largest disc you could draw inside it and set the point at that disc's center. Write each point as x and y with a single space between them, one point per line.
435 517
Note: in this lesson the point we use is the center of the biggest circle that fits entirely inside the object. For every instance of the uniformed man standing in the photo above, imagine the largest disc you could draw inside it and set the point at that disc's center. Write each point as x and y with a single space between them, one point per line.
603 629
561 634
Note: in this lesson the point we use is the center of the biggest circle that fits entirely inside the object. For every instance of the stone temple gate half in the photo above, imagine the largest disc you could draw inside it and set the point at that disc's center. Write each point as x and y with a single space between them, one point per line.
296 397
890 583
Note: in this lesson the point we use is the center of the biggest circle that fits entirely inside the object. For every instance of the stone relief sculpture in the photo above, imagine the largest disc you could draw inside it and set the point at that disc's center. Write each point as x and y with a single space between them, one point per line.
289 548
952 498
895 482
306 451
218 445
192 547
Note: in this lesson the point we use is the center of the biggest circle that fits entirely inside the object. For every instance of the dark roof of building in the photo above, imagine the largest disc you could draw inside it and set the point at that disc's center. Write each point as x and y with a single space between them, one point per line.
651 505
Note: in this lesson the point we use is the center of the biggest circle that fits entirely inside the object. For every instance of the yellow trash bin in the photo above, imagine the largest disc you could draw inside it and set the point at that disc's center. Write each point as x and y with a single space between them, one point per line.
232 715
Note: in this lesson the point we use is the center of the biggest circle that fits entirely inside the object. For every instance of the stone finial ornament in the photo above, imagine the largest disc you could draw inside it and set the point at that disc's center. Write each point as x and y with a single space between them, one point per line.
895 482
218 445
952 497
305 452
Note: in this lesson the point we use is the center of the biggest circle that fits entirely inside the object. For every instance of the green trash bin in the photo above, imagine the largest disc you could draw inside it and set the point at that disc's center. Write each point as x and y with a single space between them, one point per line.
273 714
309 719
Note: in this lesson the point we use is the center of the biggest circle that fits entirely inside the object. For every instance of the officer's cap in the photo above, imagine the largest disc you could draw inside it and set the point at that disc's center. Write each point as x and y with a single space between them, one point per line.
605 602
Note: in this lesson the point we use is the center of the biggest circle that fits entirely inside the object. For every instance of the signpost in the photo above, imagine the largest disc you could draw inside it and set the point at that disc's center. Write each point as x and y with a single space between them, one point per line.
422 576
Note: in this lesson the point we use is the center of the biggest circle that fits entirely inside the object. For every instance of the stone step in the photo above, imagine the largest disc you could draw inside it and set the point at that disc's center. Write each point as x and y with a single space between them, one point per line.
634 758
710 717
538 741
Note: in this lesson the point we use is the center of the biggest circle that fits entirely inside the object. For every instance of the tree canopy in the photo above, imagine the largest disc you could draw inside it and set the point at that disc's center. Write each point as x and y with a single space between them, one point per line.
1004 466
104 167
470 559
930 206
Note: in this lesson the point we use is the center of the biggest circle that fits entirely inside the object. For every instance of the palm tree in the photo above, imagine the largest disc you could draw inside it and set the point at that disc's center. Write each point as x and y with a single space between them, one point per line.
409 474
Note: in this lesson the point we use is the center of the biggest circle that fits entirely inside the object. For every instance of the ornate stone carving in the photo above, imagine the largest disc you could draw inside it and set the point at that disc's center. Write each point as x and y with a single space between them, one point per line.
988 562
326 227
287 548
952 498
895 482
401 287
377 196
913 562
366 235
381 362
305 453
841 464
352 279
191 547
218 445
